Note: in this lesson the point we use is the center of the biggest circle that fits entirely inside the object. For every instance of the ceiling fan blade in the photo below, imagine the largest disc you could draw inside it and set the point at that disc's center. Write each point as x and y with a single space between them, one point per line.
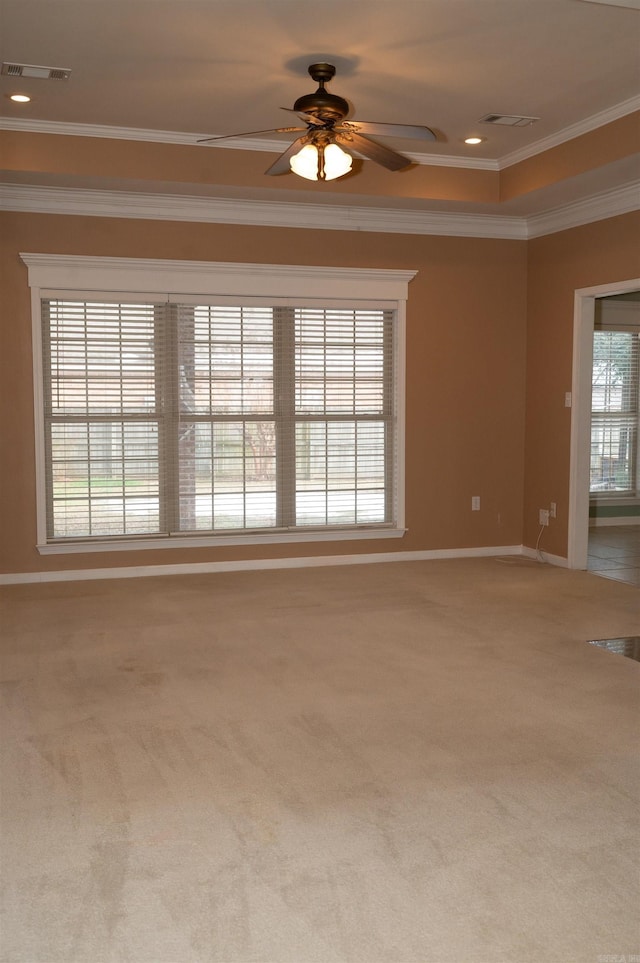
375 152
388 130
281 166
250 133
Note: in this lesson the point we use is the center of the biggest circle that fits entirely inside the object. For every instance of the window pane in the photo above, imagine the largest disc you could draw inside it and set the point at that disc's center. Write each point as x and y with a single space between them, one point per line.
227 475
105 479
340 473
613 444
342 361
226 360
102 358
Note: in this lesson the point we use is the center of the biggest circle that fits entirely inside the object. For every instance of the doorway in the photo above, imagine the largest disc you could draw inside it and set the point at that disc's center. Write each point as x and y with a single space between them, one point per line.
580 459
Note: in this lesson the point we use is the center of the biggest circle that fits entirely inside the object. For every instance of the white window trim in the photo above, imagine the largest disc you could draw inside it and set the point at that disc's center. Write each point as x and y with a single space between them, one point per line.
50 274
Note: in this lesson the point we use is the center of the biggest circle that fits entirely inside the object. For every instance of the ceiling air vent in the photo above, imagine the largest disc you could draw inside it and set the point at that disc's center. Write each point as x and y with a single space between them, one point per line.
31 70
508 120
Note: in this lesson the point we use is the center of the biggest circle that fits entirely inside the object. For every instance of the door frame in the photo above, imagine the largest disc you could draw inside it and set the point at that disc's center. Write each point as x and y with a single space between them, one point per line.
580 456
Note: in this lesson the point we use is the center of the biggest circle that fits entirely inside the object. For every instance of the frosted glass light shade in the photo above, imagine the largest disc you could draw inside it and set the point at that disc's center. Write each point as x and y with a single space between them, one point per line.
318 163
305 163
336 162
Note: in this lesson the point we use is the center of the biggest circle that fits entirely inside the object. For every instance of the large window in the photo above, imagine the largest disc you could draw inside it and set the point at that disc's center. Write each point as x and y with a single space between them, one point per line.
614 412
187 418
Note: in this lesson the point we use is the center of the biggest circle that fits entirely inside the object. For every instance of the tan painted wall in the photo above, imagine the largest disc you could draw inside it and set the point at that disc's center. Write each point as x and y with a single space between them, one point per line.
465 389
606 145
601 253
121 162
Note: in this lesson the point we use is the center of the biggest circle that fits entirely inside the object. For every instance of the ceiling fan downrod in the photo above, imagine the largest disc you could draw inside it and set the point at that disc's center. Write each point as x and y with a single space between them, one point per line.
328 107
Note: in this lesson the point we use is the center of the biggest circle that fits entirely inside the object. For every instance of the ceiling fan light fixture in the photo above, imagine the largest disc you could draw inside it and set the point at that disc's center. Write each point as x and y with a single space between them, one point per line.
321 163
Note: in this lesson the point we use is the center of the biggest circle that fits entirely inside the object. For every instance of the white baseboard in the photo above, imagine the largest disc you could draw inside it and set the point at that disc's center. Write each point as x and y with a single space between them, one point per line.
542 556
604 522
145 571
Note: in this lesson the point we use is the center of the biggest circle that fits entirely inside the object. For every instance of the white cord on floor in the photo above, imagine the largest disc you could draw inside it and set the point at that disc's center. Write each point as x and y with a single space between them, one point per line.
539 554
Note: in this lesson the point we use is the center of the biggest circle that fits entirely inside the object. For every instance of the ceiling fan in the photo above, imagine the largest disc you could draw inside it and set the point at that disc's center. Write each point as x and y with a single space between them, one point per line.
323 152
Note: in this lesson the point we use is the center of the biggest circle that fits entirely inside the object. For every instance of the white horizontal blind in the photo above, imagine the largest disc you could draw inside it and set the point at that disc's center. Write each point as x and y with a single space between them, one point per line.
168 419
343 415
614 410
226 457
102 418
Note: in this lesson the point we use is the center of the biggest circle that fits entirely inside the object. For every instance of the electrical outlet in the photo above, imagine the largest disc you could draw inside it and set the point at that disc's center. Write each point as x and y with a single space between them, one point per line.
475 503
544 516
552 509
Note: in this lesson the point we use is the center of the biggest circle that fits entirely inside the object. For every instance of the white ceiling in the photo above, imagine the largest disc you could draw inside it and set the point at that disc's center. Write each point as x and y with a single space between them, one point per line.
204 67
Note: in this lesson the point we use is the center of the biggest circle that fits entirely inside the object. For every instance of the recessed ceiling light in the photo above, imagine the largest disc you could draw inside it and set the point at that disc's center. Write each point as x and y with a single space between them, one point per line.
20 98
473 140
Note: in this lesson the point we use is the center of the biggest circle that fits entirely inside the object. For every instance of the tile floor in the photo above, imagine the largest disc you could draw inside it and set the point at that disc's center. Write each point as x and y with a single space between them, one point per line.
614 552
629 646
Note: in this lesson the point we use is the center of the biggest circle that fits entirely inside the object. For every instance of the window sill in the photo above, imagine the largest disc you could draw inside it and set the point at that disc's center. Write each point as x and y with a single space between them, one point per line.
207 541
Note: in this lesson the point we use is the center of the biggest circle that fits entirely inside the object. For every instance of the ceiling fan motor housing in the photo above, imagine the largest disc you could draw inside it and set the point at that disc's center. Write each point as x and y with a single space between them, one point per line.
325 105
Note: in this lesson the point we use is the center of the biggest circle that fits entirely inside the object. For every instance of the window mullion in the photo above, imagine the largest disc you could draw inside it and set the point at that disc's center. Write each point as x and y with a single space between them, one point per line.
284 411
167 407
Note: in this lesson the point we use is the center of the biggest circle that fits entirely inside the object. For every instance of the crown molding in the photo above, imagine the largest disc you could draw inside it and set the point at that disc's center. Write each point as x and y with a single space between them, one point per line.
67 201
585 126
171 207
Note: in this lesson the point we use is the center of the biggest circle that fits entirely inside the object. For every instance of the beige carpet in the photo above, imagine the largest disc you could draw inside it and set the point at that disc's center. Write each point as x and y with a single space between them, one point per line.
411 763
